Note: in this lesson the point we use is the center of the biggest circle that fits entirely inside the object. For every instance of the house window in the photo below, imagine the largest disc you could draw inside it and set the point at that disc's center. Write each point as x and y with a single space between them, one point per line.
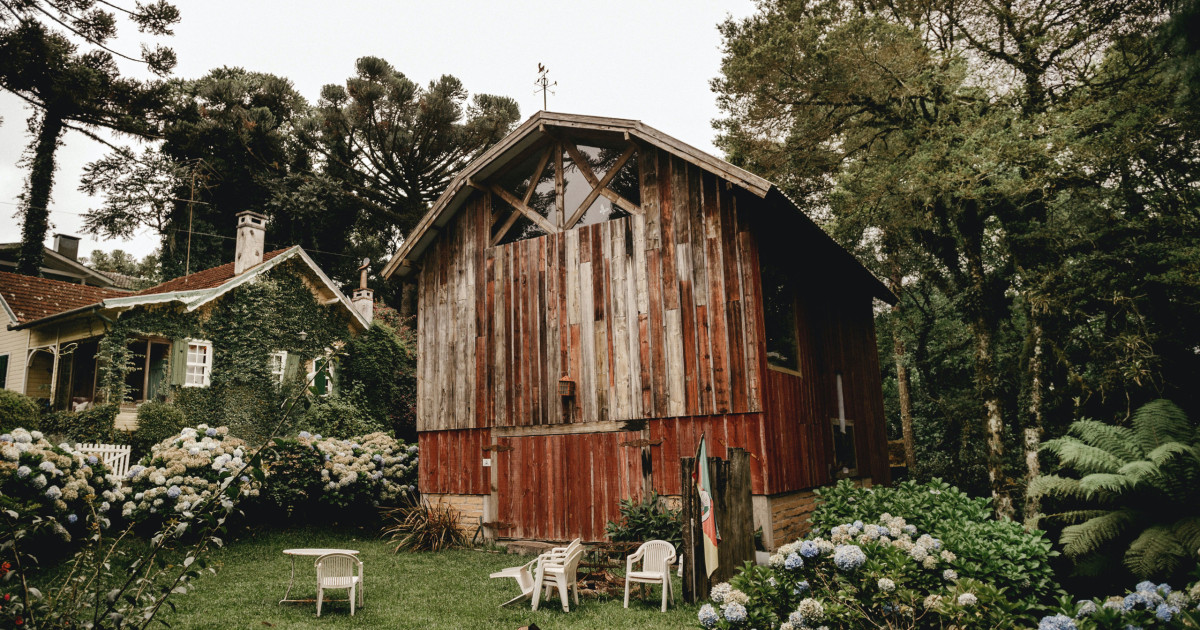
3 371
779 318
276 364
199 363
844 459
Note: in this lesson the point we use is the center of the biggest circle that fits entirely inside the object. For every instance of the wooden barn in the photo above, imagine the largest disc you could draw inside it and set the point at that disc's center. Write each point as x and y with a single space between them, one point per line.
593 295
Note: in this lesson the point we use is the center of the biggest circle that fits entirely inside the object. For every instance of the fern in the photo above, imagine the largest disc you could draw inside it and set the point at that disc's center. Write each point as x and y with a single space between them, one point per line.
1127 493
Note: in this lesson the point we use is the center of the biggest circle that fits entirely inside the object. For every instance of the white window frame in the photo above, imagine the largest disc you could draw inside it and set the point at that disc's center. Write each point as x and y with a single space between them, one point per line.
277 374
205 366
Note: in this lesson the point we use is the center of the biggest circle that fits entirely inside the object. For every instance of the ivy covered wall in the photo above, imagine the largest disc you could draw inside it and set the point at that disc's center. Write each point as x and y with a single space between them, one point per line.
245 327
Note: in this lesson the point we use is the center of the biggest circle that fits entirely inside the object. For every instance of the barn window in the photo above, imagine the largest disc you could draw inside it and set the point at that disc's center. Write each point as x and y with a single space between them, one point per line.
845 460
779 318
562 186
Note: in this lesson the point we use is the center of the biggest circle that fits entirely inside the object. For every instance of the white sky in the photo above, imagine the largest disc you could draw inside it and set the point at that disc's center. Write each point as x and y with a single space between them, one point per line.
649 60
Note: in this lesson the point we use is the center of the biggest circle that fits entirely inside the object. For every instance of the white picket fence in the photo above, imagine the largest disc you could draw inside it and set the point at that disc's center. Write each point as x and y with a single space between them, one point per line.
115 456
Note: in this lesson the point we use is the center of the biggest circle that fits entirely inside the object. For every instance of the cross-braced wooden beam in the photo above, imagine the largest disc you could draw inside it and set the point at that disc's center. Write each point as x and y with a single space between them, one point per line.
598 187
512 216
586 170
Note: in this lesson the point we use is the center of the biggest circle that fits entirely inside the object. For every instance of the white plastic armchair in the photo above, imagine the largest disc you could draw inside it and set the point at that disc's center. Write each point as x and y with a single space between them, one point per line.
656 557
336 571
558 567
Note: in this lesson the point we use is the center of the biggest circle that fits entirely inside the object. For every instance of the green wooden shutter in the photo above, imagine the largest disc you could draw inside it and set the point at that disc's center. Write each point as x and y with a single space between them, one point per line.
179 348
320 387
290 367
3 371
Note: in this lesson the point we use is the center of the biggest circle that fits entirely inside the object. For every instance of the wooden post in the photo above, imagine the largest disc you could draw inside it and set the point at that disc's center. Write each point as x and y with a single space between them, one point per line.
735 522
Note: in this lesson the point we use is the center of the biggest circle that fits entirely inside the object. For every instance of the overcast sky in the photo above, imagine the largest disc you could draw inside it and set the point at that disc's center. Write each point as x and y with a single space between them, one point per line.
645 59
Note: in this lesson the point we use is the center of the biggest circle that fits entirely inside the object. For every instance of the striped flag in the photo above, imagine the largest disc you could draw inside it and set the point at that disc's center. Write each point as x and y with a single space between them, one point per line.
708 519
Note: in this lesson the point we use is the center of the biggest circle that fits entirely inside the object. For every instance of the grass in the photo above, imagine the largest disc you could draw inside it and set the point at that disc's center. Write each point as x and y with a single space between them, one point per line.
448 589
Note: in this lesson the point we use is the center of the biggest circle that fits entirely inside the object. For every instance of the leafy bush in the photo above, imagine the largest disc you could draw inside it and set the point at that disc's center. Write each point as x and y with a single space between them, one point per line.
648 519
182 473
1001 553
293 476
879 574
94 425
383 361
38 479
424 527
364 471
1148 605
1128 493
17 410
156 421
339 415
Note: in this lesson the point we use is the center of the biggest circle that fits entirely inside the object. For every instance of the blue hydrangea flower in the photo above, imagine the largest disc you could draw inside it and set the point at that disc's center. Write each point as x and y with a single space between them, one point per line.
708 616
92 460
1164 612
245 479
378 457
809 549
858 524
305 434
7 437
793 562
801 587
884 531
1087 608
23 472
71 518
1057 622
173 492
733 612
53 493
210 432
1145 585
848 557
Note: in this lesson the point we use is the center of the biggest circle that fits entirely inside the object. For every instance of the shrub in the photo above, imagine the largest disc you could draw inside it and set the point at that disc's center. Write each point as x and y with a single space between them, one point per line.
648 519
878 574
339 415
17 410
1148 605
424 527
38 479
184 472
1128 493
293 476
1001 553
156 421
94 425
383 361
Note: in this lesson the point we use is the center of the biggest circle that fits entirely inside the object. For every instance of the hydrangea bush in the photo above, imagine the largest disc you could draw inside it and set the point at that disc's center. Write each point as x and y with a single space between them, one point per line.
186 471
370 470
879 574
1148 605
38 479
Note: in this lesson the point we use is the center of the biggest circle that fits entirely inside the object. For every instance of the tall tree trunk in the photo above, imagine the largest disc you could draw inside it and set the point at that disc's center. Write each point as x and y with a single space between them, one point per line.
906 421
1033 433
37 195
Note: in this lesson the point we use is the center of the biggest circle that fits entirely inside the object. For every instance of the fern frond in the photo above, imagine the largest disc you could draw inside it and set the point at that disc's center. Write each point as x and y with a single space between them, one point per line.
1165 452
1155 553
1055 486
1087 459
1117 440
1160 421
1142 470
1089 536
1095 484
1074 516
1187 531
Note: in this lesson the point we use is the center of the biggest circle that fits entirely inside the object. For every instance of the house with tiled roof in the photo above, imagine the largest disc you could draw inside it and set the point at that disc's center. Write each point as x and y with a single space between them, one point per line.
177 333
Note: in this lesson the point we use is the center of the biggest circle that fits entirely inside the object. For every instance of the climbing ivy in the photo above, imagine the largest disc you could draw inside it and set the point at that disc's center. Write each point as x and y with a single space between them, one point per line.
245 326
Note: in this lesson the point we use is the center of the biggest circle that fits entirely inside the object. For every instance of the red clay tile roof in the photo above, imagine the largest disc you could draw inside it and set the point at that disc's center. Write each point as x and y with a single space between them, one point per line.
34 298
206 279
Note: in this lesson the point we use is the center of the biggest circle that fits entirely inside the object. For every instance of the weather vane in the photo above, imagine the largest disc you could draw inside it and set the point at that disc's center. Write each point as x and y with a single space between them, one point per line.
544 84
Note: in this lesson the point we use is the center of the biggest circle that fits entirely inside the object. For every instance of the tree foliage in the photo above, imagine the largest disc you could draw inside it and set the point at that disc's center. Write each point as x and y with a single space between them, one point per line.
1128 493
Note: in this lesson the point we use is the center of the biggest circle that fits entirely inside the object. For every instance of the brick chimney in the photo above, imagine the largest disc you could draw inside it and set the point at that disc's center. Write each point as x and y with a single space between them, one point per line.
67 245
364 298
251 235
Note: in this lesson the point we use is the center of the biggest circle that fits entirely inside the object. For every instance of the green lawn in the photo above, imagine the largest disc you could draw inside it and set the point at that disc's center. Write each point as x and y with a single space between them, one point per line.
426 590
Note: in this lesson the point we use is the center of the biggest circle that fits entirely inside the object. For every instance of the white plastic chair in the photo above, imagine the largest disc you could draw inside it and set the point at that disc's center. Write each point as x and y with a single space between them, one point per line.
336 571
558 567
656 556
524 574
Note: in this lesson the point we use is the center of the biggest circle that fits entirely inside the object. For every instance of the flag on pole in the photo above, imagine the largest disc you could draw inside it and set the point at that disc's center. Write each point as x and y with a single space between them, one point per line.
708 519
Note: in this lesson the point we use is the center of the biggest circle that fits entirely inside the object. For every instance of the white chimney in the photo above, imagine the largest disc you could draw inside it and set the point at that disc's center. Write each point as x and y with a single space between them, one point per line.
364 298
251 235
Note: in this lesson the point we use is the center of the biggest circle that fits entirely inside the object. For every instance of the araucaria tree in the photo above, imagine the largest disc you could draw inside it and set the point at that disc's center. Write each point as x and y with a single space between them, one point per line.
55 56
1009 167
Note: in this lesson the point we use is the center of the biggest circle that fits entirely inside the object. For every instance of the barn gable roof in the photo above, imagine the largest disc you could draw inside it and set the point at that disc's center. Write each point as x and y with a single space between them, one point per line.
543 125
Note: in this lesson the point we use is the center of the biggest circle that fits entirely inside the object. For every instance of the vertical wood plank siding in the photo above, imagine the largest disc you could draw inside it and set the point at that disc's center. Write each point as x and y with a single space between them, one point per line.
652 316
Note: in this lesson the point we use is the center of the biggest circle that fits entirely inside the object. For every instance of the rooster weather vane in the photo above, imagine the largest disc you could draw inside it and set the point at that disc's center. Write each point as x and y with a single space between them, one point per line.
544 84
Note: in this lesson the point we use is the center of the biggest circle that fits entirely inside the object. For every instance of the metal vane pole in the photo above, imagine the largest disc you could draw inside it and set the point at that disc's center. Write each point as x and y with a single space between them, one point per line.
543 83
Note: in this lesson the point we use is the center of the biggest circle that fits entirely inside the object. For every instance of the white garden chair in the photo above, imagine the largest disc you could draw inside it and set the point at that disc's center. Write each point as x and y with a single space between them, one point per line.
524 573
656 557
558 567
336 571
